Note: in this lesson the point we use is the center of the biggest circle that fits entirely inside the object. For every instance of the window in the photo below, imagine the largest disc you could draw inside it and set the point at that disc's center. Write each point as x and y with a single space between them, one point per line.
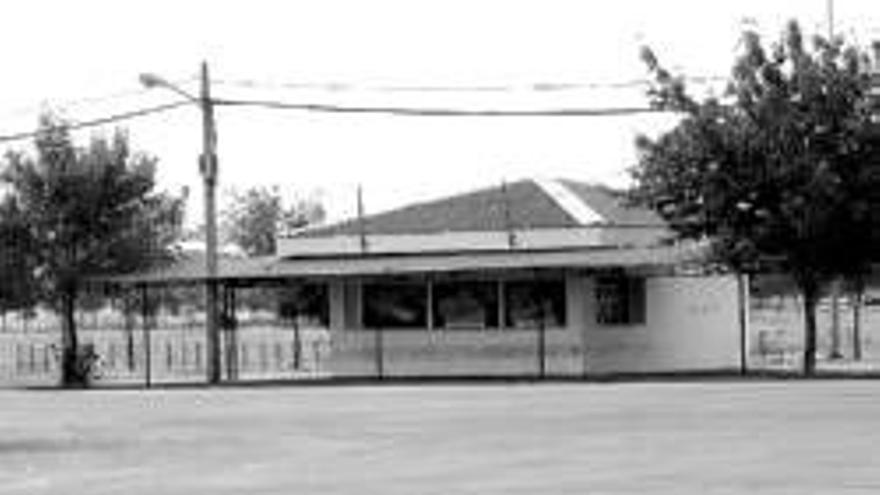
306 302
395 305
620 300
529 303
466 304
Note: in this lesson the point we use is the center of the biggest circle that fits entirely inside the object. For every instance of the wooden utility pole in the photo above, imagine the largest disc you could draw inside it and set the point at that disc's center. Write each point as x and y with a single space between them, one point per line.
829 11
208 169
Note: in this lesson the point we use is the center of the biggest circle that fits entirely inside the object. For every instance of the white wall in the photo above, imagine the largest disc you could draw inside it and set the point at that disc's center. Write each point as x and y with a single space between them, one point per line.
692 323
446 241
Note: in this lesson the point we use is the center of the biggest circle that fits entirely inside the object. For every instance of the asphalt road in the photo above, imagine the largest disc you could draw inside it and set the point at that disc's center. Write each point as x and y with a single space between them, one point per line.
717 437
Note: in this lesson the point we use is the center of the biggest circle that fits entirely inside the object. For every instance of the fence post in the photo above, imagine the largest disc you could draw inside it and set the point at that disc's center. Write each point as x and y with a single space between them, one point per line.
198 356
145 317
47 363
230 327
742 282
169 356
542 343
380 353
128 305
279 356
297 344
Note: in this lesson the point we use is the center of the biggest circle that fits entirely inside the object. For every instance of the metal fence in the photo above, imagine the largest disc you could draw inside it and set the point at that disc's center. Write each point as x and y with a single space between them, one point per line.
172 348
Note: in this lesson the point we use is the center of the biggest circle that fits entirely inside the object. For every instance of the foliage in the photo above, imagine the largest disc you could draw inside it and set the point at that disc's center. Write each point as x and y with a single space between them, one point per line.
89 212
782 170
17 288
256 215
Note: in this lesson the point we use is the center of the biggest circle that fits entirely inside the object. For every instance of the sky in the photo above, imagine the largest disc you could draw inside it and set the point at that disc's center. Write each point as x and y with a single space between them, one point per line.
82 59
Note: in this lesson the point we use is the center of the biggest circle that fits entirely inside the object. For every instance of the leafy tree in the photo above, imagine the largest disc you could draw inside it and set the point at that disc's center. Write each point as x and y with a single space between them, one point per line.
90 211
256 215
782 171
17 289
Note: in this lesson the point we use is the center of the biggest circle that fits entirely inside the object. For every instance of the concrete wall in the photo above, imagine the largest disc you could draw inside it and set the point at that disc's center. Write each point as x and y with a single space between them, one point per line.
692 323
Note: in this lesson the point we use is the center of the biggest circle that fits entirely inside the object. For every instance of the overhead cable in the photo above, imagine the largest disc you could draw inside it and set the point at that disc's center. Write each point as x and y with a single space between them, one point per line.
141 112
440 111
543 86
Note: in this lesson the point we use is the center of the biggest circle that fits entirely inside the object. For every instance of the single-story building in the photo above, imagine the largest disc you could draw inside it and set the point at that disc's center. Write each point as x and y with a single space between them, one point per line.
535 277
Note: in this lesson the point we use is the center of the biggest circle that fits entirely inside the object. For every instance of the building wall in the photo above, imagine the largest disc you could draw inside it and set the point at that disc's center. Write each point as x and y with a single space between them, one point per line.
691 323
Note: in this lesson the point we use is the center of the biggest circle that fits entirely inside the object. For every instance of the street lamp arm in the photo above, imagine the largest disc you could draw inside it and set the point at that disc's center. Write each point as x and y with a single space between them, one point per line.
149 80
208 166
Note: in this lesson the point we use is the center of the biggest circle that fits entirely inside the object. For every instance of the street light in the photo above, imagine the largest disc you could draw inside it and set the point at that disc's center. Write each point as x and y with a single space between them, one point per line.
208 169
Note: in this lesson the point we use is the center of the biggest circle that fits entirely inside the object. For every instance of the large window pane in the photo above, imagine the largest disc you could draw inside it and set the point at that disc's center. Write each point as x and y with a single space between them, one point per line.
466 304
395 305
530 302
307 302
620 300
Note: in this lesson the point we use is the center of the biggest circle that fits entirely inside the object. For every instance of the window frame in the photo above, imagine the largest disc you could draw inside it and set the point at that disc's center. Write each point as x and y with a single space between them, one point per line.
626 296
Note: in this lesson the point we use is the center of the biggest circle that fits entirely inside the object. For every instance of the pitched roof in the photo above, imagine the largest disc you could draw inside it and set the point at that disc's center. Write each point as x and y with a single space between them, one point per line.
612 205
525 204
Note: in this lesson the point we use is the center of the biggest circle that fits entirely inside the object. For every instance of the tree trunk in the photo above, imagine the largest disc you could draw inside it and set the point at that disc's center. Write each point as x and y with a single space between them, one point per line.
297 344
811 297
857 323
836 343
70 372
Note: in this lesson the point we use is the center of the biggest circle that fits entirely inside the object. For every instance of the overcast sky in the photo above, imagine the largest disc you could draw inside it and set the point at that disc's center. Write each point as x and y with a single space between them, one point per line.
84 58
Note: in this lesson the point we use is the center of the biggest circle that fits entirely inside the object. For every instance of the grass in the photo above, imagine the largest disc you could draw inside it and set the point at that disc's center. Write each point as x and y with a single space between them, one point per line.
720 437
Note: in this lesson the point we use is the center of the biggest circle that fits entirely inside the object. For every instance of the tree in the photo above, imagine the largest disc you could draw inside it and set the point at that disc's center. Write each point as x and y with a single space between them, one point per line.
17 290
90 211
256 215
781 171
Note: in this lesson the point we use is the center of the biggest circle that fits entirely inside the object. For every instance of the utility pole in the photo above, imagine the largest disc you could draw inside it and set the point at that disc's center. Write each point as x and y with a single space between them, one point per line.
208 169
829 11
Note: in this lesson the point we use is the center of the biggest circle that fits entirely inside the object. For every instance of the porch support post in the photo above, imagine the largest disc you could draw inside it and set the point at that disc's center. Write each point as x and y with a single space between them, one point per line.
542 341
502 304
430 303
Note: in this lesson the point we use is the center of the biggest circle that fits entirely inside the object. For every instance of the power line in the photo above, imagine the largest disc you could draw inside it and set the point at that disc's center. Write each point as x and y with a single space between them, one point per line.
142 112
439 111
546 86
328 108
97 99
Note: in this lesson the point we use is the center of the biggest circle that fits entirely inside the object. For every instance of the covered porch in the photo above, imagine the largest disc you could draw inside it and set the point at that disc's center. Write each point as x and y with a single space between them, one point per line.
563 313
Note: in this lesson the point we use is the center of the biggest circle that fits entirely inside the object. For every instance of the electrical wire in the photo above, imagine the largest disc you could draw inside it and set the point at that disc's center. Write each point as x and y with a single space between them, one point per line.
29 109
440 112
141 112
330 108
335 86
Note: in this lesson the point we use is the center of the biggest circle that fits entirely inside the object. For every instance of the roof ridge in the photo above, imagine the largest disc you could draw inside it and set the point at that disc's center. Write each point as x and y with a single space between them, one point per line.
568 201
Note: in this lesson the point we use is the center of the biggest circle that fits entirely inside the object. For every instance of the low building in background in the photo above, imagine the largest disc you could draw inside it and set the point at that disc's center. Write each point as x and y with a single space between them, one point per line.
532 278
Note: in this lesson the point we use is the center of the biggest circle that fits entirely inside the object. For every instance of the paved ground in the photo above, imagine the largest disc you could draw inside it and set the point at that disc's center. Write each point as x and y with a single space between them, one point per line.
741 437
